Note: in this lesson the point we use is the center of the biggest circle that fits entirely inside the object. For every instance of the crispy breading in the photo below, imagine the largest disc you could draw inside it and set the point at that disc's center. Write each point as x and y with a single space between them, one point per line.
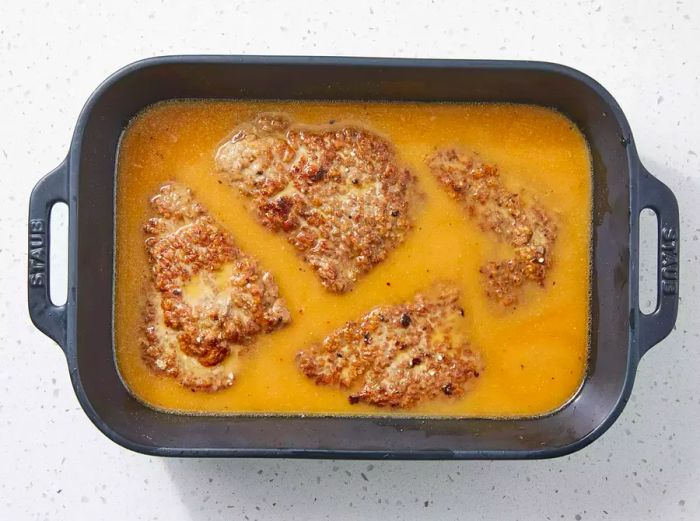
209 299
336 192
398 355
527 227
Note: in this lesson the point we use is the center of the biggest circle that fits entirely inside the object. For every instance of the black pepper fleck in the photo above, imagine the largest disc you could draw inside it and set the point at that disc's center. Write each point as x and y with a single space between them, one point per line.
319 175
405 319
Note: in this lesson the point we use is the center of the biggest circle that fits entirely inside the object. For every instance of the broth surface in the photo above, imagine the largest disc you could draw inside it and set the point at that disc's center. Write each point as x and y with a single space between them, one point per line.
535 356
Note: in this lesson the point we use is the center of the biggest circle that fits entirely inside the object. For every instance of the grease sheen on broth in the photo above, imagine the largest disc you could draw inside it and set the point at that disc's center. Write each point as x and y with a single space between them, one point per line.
534 356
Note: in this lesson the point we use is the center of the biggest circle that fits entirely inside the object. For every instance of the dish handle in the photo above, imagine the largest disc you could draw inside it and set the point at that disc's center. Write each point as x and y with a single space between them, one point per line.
653 194
46 316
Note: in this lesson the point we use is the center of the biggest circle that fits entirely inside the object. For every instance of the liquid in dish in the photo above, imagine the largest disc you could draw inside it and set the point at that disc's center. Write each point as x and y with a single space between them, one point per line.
386 173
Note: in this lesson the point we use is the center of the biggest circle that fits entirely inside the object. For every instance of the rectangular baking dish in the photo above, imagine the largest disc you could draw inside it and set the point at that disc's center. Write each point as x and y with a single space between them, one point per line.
619 333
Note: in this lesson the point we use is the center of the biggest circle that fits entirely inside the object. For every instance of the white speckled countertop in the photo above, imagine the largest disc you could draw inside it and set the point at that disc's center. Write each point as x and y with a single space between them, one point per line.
55 465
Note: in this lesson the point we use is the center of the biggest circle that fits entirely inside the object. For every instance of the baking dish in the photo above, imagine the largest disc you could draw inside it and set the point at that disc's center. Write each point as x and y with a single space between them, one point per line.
619 332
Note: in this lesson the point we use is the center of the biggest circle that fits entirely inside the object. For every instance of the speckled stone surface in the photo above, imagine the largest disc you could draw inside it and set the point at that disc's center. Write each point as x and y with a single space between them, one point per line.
55 465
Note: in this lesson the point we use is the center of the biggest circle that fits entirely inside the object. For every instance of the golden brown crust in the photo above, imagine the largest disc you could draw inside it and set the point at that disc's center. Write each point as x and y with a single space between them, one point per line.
337 193
209 298
528 228
400 355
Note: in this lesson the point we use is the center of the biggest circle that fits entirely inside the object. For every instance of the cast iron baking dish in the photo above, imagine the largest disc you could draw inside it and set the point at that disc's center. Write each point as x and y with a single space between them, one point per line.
619 332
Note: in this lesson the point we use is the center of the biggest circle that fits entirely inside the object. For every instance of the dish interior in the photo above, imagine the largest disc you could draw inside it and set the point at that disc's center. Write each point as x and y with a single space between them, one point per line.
534 356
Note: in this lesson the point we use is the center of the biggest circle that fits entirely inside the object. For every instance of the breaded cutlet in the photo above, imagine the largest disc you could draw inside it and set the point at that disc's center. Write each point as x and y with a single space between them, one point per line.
208 299
336 192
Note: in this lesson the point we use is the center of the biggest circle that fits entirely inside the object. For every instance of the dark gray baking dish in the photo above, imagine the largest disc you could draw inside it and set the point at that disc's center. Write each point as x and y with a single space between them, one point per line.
619 333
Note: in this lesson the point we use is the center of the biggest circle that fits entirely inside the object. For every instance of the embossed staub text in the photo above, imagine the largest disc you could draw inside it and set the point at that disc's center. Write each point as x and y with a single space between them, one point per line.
669 260
37 253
